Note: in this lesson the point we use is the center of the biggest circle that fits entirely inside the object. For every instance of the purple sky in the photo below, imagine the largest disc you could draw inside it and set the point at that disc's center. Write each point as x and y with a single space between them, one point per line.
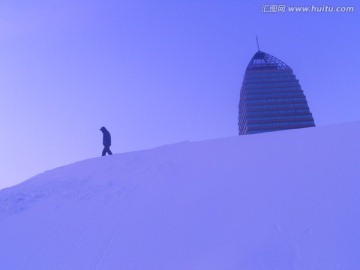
154 72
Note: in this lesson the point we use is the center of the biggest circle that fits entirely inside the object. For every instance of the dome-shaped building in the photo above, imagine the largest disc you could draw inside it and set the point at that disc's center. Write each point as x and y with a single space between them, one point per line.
271 97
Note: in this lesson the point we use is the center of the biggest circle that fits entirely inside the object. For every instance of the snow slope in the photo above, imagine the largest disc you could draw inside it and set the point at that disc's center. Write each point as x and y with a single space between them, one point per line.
282 200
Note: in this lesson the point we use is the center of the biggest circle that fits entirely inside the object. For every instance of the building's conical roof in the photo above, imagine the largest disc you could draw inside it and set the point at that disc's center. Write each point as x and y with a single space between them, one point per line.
262 60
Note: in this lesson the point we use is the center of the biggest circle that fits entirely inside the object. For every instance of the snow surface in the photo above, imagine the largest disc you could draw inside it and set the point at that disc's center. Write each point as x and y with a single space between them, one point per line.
281 200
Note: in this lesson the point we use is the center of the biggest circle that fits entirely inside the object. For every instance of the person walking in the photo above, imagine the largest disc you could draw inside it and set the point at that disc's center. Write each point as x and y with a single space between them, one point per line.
106 141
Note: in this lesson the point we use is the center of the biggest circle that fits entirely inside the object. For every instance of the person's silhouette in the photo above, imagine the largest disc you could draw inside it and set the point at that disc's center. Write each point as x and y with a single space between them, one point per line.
106 141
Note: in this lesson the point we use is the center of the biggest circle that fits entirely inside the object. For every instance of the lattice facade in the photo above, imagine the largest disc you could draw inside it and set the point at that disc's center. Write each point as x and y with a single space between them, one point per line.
271 98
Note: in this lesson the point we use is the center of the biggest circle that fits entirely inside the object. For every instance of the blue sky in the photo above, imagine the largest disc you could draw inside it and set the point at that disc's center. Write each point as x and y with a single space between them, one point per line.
154 72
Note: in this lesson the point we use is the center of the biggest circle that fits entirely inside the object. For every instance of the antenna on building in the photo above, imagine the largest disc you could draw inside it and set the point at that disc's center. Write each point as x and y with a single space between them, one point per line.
257 42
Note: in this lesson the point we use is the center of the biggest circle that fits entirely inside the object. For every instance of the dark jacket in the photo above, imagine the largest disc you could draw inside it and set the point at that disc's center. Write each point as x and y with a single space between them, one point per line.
106 137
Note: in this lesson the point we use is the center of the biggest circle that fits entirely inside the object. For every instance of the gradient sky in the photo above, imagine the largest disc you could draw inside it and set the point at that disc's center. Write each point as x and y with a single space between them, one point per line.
154 72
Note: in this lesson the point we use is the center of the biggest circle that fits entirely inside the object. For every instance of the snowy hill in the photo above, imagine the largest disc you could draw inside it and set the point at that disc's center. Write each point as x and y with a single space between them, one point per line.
283 200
